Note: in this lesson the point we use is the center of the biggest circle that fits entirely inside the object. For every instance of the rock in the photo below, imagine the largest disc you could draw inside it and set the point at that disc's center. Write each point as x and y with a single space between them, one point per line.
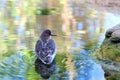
109 53
110 48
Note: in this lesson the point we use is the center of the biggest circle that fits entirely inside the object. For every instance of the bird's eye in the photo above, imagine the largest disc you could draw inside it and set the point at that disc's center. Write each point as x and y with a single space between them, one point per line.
46 35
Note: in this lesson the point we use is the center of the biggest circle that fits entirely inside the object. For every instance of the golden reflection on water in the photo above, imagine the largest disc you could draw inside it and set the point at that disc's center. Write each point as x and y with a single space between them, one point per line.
63 24
73 23
66 25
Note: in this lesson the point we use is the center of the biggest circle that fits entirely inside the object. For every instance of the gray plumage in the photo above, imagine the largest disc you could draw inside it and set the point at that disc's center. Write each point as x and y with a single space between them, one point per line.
45 48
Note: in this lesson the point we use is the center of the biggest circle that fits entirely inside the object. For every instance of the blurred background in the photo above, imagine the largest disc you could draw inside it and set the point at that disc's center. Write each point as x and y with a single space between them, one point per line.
80 26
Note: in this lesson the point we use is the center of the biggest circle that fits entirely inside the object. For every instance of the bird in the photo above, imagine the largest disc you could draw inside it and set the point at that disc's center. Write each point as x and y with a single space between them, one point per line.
45 48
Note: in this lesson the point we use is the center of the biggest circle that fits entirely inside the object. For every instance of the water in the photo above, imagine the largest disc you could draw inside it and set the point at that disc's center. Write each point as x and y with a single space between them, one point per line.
80 31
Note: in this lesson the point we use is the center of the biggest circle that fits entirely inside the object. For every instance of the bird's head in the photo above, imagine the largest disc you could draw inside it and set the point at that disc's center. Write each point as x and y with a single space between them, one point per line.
46 34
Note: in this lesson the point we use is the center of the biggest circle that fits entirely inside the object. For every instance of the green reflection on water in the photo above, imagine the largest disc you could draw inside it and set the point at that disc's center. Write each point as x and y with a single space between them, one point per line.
21 65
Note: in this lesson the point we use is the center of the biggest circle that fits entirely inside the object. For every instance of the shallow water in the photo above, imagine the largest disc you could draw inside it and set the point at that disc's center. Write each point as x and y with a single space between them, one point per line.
80 31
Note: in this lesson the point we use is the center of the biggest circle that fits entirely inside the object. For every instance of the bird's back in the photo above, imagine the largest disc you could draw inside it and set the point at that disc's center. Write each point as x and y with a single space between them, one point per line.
45 51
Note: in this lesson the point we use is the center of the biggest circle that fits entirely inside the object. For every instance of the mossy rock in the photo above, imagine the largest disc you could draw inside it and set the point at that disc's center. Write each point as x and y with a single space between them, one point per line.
110 48
109 53
113 76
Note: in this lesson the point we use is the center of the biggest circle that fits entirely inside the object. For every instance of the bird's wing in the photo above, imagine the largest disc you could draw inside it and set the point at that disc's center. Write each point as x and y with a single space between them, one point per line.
46 55
51 51
39 51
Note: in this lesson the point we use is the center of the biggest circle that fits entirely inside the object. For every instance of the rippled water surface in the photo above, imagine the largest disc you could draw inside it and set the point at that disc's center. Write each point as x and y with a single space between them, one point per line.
79 29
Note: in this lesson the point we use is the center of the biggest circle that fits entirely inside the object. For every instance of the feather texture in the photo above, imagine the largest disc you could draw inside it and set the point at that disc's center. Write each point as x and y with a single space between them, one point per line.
45 51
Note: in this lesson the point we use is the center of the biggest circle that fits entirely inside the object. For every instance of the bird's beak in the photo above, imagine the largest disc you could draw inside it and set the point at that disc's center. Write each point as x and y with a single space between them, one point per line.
53 35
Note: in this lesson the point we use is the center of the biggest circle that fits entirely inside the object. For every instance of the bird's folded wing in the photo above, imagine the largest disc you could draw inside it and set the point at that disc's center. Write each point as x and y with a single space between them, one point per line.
47 55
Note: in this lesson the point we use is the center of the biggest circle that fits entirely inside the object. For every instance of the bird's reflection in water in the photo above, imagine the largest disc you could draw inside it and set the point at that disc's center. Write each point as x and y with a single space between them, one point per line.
45 70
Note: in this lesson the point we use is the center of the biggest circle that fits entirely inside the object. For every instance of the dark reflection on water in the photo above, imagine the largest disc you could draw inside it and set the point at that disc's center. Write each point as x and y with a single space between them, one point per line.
44 70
